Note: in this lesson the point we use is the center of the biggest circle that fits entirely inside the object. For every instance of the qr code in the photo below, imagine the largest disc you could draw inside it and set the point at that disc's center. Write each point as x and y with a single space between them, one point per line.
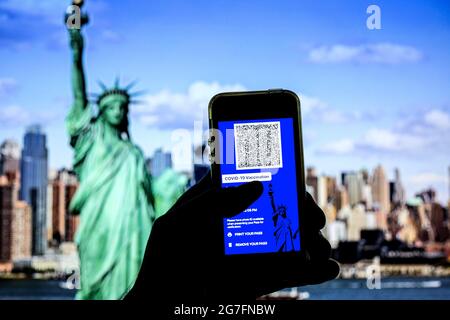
258 145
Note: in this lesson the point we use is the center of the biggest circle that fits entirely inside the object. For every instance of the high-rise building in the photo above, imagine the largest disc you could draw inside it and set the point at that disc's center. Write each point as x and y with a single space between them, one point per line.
354 183
34 179
380 189
330 212
335 232
448 205
64 186
9 157
322 194
371 220
312 182
381 218
438 223
392 193
160 162
343 176
397 192
51 178
367 196
72 221
331 189
427 196
408 232
356 222
341 198
15 221
365 175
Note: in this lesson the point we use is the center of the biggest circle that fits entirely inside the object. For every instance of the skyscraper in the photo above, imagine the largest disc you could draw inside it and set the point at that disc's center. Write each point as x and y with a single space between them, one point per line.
72 221
354 183
9 157
331 189
356 222
15 221
380 189
34 184
365 175
341 198
160 161
64 186
398 192
312 181
322 195
367 196
51 179
448 205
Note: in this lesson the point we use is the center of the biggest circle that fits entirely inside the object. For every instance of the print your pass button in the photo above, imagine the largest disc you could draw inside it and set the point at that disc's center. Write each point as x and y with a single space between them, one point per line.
246 234
246 177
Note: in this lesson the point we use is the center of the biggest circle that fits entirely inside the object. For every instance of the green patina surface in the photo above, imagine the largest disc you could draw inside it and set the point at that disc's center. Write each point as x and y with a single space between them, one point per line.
115 199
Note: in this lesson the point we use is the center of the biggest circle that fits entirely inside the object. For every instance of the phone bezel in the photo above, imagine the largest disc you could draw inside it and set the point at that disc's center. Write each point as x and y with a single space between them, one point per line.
255 105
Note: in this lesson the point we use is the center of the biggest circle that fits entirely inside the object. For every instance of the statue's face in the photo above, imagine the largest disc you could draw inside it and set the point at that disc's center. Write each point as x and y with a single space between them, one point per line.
114 109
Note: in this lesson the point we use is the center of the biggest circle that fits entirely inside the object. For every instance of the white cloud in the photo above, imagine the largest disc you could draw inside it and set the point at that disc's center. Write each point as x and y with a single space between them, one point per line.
168 110
311 104
425 131
7 86
339 147
427 178
438 119
388 140
50 10
376 139
314 108
382 53
335 116
13 115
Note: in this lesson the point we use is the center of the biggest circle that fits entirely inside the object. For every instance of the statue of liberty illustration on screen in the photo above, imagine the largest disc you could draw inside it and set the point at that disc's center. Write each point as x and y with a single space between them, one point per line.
283 233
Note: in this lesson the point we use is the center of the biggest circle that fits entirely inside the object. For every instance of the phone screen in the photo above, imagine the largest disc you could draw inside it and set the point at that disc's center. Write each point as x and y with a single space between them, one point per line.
263 150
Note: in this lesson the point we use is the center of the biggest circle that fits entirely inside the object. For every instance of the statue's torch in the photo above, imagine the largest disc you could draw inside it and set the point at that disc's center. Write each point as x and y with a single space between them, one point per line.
74 18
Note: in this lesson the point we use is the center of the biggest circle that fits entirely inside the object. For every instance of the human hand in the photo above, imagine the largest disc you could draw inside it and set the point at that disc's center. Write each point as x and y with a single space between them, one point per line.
184 257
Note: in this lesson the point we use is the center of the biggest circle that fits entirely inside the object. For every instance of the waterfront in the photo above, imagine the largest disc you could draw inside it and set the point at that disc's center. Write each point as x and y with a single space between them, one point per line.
392 288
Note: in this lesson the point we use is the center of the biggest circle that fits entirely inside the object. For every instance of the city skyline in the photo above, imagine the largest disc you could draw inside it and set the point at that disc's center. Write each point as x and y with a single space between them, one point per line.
348 178
33 183
368 96
367 214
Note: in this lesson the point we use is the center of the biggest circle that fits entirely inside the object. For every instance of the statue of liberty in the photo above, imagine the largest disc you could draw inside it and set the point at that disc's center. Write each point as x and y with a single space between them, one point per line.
114 199
283 232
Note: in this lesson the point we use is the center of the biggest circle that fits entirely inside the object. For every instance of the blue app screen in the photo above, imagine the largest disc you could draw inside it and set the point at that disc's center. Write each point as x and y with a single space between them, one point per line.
261 150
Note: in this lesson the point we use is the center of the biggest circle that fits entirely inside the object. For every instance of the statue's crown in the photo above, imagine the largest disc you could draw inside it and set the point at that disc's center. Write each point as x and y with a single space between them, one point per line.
116 90
113 91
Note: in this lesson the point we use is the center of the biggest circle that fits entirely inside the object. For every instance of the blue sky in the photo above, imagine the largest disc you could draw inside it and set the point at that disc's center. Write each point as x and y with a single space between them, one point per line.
368 96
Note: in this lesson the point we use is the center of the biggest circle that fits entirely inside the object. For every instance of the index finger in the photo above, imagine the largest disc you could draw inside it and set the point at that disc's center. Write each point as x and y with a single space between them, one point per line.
314 217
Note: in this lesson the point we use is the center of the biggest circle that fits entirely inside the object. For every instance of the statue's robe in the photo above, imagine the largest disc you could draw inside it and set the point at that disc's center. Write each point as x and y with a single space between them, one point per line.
114 200
283 234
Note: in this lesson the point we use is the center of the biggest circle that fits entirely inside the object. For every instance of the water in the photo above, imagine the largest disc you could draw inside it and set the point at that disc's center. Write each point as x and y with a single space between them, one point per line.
401 288
392 288
34 290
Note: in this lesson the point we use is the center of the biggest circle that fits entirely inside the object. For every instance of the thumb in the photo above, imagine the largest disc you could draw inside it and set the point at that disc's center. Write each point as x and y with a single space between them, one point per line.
233 200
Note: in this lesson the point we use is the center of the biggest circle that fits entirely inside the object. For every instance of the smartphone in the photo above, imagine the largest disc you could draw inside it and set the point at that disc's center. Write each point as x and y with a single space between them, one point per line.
257 136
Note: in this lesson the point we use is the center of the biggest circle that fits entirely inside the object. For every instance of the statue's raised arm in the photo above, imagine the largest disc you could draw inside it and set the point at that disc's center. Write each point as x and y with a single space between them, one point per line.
78 77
